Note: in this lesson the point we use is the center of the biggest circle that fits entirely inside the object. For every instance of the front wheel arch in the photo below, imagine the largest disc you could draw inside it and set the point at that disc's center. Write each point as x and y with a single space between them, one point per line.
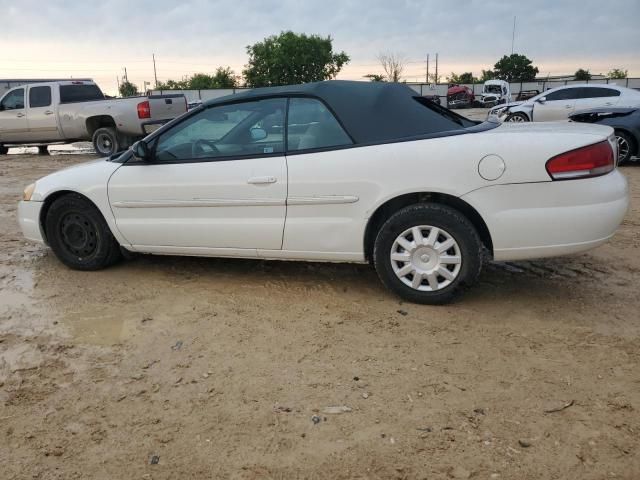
52 197
384 211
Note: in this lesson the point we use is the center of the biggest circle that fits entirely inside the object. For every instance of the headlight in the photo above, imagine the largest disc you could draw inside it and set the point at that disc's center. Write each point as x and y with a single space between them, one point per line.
26 195
499 111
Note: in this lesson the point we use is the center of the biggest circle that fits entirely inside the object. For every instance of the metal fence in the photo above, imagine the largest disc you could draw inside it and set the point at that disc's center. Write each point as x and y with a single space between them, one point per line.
427 88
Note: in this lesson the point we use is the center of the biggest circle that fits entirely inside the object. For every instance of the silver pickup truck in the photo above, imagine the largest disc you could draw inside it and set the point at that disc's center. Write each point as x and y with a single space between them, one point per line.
41 114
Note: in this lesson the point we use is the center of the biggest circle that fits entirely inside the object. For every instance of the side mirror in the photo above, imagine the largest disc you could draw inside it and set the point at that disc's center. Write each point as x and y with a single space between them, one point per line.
258 134
542 100
141 151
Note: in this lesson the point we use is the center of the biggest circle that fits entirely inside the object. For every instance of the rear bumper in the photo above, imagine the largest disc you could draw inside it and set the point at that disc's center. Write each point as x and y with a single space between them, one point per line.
153 125
29 219
535 220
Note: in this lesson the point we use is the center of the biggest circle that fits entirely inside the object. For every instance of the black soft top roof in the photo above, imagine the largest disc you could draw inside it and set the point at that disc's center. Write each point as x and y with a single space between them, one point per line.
370 111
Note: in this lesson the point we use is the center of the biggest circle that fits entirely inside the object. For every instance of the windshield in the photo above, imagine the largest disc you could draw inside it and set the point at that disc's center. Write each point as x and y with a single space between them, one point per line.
492 89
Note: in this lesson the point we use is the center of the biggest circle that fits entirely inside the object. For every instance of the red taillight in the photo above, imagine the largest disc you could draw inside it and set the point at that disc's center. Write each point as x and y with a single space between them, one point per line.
144 110
590 161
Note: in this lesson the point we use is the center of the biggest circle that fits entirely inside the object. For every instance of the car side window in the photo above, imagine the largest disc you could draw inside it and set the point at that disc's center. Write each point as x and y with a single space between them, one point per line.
311 125
237 130
14 100
39 97
598 92
563 94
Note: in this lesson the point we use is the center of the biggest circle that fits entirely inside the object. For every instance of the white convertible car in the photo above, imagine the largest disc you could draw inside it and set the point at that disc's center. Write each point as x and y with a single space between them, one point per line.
343 172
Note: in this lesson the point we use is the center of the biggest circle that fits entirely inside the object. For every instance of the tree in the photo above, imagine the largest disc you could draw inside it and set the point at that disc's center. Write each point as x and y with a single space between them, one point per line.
487 75
515 67
466 77
225 78
173 85
375 77
617 73
393 65
128 89
434 79
582 74
222 78
291 58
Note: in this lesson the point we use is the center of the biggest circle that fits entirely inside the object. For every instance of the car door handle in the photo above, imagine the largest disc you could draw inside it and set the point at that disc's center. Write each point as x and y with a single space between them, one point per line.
261 180
19 115
48 112
608 104
568 106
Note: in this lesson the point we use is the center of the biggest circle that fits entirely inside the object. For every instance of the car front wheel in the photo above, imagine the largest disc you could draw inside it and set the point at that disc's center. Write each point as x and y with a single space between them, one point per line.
79 235
426 253
517 117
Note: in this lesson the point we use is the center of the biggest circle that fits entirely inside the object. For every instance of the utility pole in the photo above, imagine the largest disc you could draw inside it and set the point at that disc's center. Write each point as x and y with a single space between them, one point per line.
155 75
126 78
118 82
436 82
513 35
427 77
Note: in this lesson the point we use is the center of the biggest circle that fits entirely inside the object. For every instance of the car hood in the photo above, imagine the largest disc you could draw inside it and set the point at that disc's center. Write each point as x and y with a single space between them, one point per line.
77 178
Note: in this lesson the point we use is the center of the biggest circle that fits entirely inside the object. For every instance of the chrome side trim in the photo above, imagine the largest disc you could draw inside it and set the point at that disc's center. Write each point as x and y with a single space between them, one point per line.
201 202
322 200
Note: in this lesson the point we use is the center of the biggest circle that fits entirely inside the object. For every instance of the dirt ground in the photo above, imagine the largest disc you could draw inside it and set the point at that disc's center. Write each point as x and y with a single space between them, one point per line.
188 368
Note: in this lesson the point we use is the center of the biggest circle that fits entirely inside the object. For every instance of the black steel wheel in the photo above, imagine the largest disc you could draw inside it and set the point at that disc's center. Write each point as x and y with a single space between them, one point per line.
79 235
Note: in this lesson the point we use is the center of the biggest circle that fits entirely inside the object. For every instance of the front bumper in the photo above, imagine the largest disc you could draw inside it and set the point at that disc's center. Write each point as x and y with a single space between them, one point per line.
535 220
29 219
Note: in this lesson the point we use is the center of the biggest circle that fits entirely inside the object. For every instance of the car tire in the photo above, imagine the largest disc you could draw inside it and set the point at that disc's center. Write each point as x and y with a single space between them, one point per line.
105 141
79 235
3 150
626 147
517 117
398 258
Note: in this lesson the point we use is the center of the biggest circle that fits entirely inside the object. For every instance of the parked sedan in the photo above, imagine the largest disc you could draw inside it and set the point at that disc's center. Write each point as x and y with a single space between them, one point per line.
341 172
559 103
625 122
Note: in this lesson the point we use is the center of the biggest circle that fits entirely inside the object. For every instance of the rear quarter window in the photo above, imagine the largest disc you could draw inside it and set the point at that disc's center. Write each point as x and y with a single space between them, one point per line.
80 93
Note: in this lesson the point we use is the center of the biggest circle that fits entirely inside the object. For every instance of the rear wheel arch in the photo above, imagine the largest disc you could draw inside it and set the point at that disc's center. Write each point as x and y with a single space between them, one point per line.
388 208
99 121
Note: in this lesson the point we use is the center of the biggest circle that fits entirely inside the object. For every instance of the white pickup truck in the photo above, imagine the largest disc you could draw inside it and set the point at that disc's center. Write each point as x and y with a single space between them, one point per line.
41 114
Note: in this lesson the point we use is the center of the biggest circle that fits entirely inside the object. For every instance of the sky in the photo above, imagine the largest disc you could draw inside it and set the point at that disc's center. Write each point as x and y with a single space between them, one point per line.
97 39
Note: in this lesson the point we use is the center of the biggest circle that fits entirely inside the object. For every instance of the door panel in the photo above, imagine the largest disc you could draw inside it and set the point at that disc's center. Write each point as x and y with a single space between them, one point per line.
41 117
597 97
214 204
553 110
218 179
559 105
13 117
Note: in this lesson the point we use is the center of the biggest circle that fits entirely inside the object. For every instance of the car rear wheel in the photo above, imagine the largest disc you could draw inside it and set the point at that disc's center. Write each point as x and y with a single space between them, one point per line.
626 147
426 253
105 141
79 235
517 117
3 150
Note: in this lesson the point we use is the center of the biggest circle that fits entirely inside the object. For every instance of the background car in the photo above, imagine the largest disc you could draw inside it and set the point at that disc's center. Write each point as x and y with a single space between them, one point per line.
625 122
559 103
460 96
